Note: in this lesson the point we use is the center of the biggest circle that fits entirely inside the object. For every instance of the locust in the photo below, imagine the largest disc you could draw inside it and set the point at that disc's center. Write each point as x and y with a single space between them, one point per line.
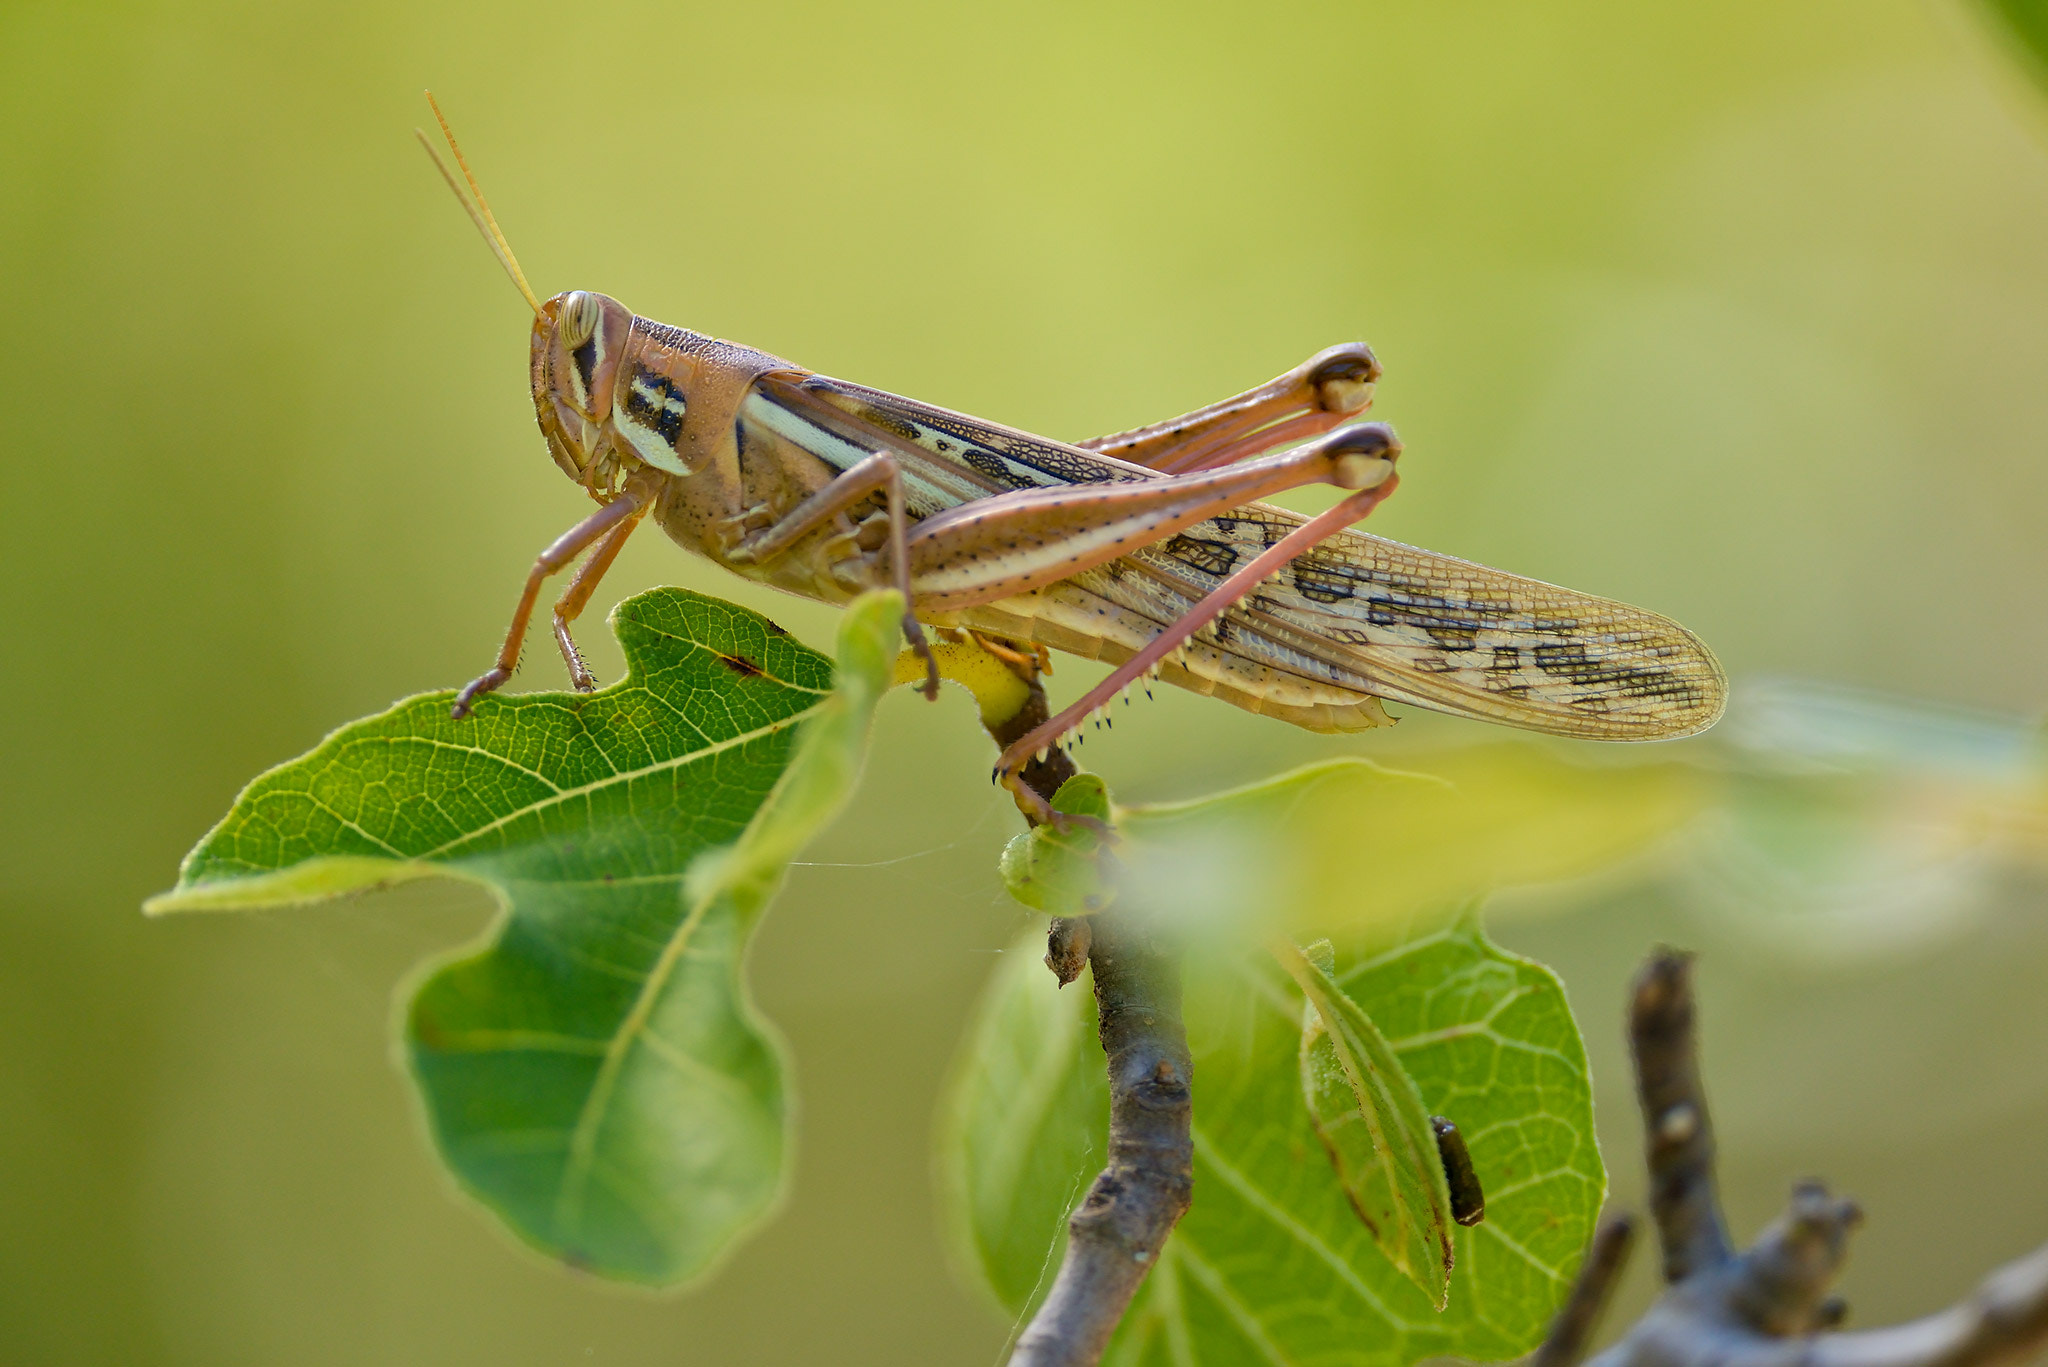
1147 549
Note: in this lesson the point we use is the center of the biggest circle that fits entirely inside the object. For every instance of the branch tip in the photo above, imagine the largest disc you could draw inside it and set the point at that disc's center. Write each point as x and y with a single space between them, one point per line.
1572 1332
1678 1133
1768 1306
1067 941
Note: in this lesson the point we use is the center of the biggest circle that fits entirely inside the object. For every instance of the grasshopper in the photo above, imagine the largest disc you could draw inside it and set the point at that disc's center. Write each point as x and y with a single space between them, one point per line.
1146 549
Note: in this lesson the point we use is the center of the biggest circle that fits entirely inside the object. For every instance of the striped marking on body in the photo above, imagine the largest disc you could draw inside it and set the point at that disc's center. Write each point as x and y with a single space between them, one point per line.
651 419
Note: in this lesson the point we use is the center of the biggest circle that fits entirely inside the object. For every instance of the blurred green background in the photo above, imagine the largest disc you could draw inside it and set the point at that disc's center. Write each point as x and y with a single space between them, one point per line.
1737 311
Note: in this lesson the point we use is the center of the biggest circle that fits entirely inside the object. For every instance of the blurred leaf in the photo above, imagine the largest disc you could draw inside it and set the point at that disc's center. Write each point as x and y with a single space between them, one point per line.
1803 726
1348 843
1064 873
1853 824
2025 25
1370 1120
594 1073
1020 1132
1272 1263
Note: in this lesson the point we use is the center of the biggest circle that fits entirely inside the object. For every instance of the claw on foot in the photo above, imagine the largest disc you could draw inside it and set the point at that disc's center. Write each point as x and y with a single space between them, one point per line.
476 688
1040 812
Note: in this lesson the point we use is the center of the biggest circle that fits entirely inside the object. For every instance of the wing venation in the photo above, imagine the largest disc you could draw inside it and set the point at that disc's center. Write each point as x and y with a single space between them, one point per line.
1447 634
1359 612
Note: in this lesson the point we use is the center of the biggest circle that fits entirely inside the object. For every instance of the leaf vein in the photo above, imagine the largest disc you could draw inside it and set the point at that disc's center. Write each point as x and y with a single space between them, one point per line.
696 1069
519 1041
1247 1323
1520 1250
434 742
616 776
1208 1154
700 647
382 844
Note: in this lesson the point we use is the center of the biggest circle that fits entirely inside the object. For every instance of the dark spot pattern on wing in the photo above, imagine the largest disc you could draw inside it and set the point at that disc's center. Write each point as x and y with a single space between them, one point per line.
1018 459
888 422
1210 557
1502 672
1266 534
1415 626
994 466
1453 626
1603 675
1319 585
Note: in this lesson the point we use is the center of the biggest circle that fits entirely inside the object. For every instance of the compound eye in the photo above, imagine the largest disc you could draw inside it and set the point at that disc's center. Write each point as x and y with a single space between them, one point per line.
581 313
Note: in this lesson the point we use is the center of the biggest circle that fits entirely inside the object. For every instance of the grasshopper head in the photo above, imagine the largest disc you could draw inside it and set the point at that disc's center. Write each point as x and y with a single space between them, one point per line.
578 340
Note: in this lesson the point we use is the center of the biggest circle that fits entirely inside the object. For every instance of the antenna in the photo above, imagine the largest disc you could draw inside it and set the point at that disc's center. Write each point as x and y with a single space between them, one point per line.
479 212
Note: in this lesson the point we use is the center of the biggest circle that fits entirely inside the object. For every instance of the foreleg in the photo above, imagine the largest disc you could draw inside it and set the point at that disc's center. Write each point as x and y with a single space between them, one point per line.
567 547
570 605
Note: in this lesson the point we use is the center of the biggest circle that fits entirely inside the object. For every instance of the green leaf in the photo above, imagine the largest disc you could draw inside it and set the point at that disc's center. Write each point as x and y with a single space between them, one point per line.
594 1071
1065 873
1272 1263
1027 1100
1370 1120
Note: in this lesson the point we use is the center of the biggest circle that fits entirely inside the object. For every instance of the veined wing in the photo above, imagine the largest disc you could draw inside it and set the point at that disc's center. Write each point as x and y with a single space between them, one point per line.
1359 612
1413 626
953 457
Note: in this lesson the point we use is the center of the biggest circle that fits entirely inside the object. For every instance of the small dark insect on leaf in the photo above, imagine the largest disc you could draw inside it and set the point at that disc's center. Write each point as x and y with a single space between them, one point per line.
1468 1202
740 665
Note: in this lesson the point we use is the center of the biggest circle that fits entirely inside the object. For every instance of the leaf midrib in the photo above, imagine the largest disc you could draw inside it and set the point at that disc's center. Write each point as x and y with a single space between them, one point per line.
597 1102
562 795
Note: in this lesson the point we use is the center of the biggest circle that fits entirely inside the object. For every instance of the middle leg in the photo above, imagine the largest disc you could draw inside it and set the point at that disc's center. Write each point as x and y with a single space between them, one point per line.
877 473
1239 585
